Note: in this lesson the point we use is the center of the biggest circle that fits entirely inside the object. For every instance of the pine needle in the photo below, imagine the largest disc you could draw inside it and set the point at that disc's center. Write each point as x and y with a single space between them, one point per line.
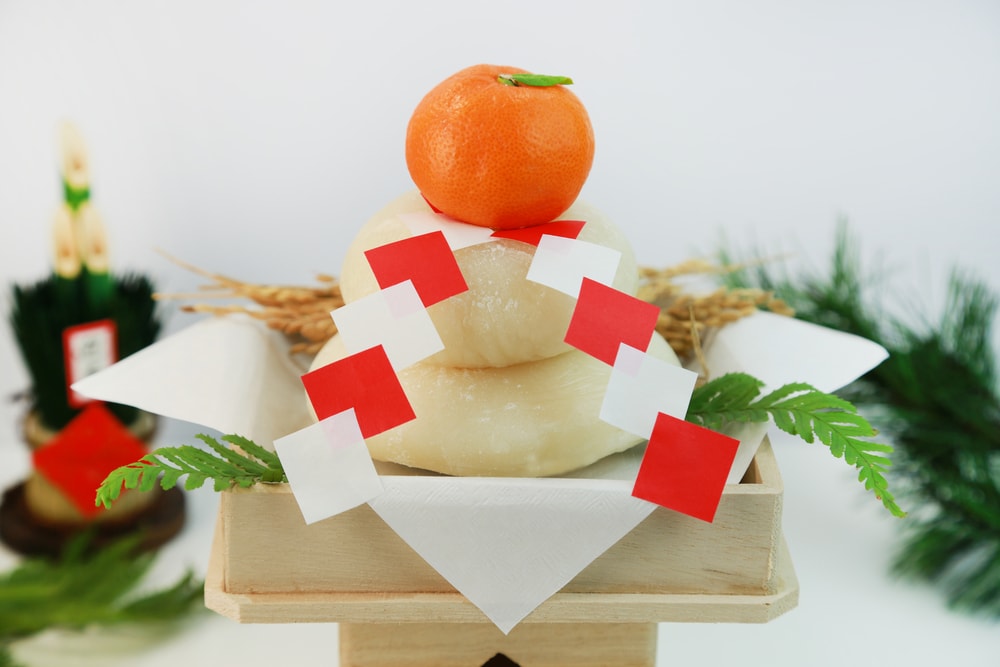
936 396
87 587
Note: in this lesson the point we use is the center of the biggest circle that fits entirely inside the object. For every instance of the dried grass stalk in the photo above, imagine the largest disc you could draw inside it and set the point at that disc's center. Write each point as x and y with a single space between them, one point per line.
303 313
685 319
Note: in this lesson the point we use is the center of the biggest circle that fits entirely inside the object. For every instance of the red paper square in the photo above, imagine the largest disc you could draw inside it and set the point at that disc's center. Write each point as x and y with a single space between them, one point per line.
366 382
569 229
605 318
82 455
426 259
685 467
433 207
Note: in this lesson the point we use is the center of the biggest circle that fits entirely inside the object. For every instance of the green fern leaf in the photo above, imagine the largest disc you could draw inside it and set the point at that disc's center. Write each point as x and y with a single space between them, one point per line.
226 468
805 412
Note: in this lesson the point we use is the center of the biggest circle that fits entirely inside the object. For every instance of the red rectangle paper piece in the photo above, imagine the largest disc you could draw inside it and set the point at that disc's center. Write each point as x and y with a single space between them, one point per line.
82 455
364 381
88 348
426 259
569 229
605 318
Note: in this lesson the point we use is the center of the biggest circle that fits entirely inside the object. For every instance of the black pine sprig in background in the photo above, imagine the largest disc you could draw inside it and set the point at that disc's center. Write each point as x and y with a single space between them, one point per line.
935 399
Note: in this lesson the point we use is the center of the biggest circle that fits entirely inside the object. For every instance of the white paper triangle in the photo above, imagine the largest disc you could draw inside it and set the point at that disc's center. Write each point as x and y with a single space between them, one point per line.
507 545
223 373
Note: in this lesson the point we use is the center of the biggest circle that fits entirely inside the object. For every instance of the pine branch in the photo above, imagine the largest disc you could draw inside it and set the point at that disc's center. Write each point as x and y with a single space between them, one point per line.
225 466
86 587
937 396
6 659
802 411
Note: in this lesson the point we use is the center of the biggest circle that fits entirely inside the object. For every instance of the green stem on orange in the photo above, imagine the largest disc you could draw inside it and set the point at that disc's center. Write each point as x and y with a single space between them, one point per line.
537 80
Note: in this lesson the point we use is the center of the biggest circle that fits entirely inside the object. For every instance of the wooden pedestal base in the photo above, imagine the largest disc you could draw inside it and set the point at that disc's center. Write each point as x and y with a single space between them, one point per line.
267 566
478 644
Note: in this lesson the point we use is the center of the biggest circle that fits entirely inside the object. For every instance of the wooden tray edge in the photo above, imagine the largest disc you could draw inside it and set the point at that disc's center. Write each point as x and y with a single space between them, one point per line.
452 607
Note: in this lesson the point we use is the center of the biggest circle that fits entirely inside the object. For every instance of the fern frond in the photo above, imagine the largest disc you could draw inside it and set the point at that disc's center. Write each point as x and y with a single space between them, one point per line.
805 412
225 466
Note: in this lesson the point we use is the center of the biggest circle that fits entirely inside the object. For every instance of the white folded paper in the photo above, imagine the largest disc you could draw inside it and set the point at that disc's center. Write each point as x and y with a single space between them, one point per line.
779 350
229 374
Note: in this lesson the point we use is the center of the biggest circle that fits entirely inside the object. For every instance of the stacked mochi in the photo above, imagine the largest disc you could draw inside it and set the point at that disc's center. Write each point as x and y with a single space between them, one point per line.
506 396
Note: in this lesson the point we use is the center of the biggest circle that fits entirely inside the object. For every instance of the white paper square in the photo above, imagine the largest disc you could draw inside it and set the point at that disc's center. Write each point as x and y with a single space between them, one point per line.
642 386
394 318
328 467
562 264
458 234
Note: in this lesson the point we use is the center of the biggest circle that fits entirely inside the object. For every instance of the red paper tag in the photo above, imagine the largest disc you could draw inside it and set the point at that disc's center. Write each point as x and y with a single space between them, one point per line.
433 207
364 381
82 455
88 348
604 318
685 467
569 229
426 259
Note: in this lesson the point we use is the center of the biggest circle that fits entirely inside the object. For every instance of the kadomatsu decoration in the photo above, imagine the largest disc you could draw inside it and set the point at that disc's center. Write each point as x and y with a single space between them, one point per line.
78 320
936 398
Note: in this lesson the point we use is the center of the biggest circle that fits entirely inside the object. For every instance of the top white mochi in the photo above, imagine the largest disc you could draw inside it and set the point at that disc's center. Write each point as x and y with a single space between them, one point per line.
503 318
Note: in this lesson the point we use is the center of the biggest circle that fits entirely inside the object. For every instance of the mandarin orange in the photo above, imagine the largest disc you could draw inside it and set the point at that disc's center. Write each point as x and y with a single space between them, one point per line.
498 155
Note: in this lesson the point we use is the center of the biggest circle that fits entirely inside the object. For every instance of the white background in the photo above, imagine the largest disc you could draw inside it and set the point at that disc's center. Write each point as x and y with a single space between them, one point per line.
253 138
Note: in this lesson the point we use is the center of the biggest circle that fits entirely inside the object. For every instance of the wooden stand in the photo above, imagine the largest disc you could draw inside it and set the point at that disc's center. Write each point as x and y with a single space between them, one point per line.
473 645
267 566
